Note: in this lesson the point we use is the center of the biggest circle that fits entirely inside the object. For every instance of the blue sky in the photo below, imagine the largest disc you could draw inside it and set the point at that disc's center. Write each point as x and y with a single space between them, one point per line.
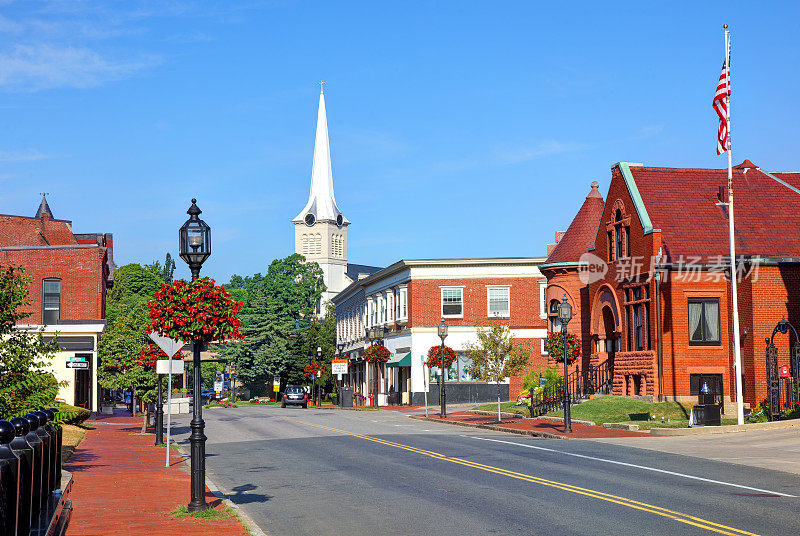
458 129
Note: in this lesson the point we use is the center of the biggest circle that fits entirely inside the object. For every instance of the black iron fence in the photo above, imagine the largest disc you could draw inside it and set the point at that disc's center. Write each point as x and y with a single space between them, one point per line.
594 379
31 502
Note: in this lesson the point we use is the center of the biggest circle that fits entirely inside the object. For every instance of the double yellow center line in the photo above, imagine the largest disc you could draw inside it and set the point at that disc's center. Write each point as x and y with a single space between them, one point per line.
622 501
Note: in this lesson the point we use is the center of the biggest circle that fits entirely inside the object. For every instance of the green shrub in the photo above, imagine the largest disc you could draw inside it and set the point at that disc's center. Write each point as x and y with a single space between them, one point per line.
71 414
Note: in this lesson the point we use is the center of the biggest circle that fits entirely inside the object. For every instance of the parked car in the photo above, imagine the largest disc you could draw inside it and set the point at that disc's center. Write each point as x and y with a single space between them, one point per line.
294 395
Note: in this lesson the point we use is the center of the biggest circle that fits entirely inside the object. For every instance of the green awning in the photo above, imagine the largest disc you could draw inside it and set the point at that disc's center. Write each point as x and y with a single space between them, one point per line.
400 360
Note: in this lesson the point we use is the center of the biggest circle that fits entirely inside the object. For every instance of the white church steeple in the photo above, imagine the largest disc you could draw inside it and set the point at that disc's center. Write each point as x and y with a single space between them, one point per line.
321 204
320 230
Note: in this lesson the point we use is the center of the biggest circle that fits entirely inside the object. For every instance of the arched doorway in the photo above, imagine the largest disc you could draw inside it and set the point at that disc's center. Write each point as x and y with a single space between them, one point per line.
611 335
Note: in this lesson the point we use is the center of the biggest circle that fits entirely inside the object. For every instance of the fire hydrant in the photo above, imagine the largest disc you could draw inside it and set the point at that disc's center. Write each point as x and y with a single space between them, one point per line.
372 399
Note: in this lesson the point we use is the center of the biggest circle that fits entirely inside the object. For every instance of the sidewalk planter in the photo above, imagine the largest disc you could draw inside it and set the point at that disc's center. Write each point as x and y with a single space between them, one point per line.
107 409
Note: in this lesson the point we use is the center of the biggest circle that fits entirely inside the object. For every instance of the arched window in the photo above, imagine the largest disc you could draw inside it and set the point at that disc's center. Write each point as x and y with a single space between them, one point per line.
555 323
304 243
318 242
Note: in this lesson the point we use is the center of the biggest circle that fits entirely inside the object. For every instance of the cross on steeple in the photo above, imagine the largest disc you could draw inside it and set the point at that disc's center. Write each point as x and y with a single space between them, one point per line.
321 83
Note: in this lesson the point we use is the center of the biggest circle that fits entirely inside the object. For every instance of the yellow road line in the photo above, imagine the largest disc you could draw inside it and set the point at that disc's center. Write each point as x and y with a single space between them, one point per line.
623 501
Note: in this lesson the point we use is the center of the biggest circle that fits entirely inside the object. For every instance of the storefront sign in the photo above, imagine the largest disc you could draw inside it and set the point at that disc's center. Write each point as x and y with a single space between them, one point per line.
339 366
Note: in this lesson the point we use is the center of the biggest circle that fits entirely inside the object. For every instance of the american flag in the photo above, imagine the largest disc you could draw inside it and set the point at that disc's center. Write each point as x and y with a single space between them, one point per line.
721 107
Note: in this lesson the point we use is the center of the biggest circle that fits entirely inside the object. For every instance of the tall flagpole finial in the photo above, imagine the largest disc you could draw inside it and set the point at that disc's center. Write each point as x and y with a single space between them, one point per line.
321 83
725 26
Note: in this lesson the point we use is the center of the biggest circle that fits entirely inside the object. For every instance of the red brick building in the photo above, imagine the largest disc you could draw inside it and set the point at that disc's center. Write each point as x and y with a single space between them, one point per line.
71 274
409 299
649 277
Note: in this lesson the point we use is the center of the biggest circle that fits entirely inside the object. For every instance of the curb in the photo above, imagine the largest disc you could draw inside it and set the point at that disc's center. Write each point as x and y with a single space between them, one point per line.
244 519
728 429
533 433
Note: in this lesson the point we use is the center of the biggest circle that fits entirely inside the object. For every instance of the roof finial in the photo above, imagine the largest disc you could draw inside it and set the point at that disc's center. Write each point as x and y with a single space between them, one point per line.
44 194
321 83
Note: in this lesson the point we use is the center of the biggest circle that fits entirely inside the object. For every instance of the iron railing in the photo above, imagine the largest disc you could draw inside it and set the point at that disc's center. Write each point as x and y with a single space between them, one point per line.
30 476
595 379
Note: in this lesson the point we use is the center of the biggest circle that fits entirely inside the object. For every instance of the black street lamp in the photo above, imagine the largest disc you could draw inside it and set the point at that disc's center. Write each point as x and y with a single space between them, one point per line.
194 247
564 316
340 354
313 375
376 336
442 331
319 382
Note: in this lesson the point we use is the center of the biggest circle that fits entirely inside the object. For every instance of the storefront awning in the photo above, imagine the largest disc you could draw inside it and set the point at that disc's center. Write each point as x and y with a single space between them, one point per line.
400 360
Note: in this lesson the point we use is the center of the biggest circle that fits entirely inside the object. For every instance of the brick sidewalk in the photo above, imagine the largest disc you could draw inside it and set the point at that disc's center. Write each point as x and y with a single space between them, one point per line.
122 487
545 428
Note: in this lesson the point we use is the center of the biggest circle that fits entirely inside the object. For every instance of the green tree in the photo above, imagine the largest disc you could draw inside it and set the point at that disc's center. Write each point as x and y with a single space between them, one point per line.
25 384
278 308
121 346
495 356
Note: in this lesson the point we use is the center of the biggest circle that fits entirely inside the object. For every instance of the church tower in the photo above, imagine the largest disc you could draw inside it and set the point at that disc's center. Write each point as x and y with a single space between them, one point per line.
320 230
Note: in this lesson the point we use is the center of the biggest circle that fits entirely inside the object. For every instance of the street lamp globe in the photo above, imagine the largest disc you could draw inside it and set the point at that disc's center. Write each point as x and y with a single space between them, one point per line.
194 240
564 310
442 330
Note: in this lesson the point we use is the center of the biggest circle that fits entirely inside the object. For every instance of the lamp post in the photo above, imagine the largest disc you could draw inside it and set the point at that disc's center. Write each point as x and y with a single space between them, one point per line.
194 246
319 375
340 353
313 376
376 336
442 331
564 316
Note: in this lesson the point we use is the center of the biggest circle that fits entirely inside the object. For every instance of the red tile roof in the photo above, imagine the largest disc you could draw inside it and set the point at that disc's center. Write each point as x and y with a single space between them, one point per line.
580 235
683 204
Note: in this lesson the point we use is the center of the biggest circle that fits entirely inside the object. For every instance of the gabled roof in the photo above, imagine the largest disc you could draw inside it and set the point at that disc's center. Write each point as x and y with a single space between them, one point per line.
683 204
580 235
354 270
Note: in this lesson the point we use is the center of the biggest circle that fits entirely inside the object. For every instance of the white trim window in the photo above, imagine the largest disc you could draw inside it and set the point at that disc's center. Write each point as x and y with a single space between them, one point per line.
402 304
498 301
452 302
390 306
542 301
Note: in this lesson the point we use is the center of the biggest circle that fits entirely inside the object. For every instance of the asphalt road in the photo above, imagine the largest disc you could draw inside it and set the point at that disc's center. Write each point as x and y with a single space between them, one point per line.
319 472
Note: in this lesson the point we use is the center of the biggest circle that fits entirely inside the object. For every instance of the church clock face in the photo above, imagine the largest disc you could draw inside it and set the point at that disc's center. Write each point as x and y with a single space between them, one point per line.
339 220
310 219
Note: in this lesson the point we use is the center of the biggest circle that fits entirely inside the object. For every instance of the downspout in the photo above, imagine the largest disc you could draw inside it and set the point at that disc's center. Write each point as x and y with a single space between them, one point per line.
659 348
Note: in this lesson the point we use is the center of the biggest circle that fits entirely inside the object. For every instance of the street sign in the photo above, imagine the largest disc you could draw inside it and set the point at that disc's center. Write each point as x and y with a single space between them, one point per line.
339 366
77 358
78 364
169 346
218 386
276 384
163 366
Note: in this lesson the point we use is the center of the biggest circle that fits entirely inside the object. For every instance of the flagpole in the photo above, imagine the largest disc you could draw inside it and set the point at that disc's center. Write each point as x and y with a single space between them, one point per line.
737 350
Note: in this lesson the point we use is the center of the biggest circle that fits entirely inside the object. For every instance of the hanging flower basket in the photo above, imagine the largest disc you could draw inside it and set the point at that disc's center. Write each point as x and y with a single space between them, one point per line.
150 354
554 346
435 357
195 310
377 354
311 369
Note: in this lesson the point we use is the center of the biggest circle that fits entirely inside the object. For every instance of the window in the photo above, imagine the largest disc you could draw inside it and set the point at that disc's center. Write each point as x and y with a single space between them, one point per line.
628 241
704 321
499 301
390 306
610 246
555 323
618 233
637 316
402 306
452 303
51 301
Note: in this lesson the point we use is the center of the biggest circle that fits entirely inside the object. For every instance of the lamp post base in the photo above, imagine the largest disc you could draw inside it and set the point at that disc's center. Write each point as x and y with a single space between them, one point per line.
197 440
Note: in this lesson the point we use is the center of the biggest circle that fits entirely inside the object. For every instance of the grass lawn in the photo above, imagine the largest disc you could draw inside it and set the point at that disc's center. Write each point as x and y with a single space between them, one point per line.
619 409
507 407
632 410
73 435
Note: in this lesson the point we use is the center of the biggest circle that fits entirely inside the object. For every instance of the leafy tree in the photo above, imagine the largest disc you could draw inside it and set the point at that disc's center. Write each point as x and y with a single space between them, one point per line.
25 384
495 356
532 380
121 346
165 272
278 322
